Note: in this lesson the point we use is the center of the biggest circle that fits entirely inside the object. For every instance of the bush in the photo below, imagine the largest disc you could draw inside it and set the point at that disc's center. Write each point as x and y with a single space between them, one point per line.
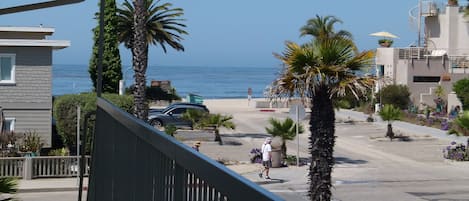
345 104
65 114
156 93
59 152
256 155
457 152
31 142
461 87
397 95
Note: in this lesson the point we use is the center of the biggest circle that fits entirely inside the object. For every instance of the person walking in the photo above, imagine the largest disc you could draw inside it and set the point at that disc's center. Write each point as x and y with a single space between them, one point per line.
249 95
266 150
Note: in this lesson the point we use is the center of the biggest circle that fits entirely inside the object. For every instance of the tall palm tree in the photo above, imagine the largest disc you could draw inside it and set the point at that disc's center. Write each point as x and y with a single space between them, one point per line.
284 129
142 23
322 28
390 113
322 71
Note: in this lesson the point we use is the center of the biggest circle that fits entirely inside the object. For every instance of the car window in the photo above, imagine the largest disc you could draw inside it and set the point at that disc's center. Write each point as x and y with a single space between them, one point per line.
178 111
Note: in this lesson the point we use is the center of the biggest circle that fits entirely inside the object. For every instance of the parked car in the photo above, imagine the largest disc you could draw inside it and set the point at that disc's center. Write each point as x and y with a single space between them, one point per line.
162 110
173 115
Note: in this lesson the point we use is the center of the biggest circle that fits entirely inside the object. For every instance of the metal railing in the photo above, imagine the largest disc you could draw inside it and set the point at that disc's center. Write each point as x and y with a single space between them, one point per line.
412 53
41 166
133 161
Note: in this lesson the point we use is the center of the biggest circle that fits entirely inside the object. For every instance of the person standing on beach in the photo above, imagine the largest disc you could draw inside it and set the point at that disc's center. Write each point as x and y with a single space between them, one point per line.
249 95
266 157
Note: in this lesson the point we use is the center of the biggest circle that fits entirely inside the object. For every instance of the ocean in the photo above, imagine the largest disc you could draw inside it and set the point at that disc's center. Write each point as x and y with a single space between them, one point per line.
208 82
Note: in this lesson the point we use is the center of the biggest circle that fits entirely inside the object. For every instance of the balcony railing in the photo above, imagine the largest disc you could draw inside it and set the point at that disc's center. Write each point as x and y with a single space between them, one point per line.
133 161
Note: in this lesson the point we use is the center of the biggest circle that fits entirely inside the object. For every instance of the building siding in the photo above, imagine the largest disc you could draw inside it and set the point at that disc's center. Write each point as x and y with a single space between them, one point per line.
36 121
29 100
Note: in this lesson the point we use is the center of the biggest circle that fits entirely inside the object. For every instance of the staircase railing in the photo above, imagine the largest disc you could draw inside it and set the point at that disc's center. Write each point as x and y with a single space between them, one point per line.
133 161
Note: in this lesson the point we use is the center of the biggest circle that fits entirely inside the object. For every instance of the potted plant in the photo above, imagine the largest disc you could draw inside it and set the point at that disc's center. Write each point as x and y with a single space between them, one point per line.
385 42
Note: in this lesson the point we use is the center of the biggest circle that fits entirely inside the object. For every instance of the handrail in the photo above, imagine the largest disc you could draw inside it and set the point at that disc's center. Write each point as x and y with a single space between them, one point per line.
169 167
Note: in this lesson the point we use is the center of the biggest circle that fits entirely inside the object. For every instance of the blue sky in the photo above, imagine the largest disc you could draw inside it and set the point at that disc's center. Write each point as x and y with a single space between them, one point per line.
228 33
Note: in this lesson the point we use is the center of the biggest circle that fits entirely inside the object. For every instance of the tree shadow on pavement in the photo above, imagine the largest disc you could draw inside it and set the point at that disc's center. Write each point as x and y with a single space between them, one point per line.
345 160
251 135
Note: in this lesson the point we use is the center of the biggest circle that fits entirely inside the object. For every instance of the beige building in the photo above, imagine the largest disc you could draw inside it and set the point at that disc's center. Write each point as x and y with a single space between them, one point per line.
26 79
442 59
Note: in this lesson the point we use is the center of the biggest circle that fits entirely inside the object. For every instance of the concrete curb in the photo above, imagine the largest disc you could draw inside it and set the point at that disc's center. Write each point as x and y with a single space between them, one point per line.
51 189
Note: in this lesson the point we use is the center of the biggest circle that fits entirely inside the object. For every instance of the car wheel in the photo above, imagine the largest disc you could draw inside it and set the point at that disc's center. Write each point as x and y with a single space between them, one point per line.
157 124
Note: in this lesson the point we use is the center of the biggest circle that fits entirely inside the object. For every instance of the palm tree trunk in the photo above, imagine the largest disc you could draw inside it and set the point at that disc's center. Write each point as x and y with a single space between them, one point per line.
284 150
322 142
389 132
139 60
218 137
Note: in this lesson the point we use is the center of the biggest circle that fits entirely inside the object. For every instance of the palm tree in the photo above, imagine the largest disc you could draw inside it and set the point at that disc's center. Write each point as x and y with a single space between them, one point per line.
285 130
322 28
218 121
322 71
142 23
390 113
8 185
195 116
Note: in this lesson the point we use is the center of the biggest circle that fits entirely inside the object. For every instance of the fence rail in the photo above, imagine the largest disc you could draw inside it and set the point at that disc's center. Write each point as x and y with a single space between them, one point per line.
41 166
133 161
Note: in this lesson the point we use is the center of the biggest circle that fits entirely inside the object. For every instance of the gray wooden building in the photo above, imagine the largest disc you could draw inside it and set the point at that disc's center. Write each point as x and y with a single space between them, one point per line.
26 79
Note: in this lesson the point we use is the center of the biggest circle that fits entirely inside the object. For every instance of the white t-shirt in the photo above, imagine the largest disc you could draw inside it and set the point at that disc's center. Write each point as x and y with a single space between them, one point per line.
266 148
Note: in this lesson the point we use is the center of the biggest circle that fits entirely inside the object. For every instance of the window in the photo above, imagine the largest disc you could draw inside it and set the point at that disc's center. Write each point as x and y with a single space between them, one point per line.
7 68
426 78
9 124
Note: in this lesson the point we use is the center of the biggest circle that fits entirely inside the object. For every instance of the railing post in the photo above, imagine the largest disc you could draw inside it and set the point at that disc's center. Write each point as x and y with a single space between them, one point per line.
179 187
28 168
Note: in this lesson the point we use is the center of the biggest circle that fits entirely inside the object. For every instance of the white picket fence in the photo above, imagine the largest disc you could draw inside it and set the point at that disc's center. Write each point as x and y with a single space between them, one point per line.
41 166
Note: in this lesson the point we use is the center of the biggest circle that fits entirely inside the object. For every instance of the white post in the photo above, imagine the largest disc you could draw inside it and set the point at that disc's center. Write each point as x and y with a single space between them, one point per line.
78 143
297 137
121 87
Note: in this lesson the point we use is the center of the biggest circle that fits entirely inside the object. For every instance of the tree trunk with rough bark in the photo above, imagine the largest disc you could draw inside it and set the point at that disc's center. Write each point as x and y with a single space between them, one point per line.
322 142
139 60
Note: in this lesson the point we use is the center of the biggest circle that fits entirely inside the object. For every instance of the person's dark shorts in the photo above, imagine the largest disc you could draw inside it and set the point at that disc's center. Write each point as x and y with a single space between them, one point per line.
267 164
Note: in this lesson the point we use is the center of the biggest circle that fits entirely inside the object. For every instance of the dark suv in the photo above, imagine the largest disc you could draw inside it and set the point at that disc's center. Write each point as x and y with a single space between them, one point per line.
173 115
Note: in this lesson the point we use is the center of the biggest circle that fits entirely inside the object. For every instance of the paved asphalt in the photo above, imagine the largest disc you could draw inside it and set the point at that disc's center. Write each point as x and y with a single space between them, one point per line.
368 166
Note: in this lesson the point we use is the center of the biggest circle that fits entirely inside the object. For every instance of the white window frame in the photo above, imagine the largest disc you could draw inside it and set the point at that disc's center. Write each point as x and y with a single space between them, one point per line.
13 69
12 124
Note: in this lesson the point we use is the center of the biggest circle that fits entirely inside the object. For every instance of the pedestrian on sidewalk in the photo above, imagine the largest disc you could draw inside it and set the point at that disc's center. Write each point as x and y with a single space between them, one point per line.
196 145
266 150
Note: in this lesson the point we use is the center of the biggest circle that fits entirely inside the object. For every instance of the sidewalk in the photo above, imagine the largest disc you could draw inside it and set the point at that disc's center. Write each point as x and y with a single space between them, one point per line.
401 126
50 185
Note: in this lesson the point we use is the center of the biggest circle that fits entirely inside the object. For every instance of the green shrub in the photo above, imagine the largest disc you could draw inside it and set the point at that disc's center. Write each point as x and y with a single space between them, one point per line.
170 129
65 113
157 93
59 152
461 87
397 95
345 104
31 142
